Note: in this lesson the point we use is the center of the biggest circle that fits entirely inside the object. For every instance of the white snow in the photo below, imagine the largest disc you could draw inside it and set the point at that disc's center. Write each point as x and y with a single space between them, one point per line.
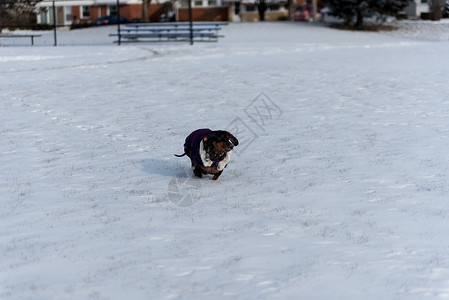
342 193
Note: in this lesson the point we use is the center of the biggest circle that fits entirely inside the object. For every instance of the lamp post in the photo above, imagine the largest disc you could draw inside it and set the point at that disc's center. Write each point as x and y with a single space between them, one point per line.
118 23
190 22
54 22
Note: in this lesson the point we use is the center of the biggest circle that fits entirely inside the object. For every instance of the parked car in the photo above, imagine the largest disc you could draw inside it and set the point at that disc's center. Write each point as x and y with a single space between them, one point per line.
109 20
304 13
301 13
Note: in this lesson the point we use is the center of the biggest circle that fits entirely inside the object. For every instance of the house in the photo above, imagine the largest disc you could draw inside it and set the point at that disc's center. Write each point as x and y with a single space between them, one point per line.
203 10
232 10
416 8
87 11
247 10
70 12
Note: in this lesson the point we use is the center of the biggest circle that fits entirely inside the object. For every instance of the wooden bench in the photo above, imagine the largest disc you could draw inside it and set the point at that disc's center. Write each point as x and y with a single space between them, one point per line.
32 36
170 31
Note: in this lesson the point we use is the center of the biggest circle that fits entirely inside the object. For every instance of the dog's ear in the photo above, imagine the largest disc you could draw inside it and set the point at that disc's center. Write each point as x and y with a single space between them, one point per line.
207 140
232 138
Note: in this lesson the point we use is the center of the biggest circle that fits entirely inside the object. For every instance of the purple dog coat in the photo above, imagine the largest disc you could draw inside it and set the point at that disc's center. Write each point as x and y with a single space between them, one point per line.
194 146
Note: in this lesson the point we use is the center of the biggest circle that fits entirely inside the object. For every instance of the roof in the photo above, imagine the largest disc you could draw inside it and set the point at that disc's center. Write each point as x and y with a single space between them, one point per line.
47 3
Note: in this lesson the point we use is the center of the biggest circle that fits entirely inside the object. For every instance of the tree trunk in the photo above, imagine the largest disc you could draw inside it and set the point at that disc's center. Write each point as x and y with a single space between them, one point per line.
436 9
359 23
262 7
436 12
145 8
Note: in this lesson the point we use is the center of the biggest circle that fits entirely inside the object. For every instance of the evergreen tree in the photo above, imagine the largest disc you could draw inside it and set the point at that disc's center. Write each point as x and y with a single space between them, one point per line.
446 9
354 11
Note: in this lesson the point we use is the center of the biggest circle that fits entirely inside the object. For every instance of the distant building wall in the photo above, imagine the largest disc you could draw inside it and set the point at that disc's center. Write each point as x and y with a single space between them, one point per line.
416 7
210 14
269 16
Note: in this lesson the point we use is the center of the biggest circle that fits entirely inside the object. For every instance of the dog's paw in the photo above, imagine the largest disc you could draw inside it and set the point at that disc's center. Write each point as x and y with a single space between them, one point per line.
216 175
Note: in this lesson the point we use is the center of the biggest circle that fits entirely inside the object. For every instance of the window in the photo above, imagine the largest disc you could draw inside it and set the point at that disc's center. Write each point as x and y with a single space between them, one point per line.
212 2
68 13
86 11
250 8
198 2
51 15
43 13
112 9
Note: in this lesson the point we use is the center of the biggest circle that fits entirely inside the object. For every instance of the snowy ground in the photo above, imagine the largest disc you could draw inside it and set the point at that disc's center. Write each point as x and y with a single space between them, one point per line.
427 30
342 193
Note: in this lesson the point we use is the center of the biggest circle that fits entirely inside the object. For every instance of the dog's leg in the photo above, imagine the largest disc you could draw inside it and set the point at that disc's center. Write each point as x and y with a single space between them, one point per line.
198 172
217 175
209 170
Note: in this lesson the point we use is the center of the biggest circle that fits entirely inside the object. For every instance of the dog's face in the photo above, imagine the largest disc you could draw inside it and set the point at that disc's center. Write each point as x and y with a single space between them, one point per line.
218 143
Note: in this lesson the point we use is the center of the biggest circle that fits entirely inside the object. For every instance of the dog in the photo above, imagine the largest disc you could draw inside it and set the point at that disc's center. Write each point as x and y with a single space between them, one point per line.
209 151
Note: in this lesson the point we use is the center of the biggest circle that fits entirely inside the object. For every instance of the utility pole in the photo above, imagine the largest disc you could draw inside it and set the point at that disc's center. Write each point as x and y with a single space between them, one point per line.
314 10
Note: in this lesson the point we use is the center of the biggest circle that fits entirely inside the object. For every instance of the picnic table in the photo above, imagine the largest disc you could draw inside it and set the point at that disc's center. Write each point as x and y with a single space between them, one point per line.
179 31
32 36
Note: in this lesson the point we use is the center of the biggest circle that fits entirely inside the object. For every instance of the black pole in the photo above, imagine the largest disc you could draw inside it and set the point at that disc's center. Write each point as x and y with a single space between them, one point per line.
54 23
118 23
190 22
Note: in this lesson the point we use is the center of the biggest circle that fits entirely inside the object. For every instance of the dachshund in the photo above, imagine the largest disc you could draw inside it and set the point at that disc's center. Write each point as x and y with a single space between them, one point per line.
209 151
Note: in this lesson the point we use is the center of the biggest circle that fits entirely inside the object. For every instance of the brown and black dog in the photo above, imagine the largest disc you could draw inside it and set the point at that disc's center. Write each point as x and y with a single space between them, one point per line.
209 151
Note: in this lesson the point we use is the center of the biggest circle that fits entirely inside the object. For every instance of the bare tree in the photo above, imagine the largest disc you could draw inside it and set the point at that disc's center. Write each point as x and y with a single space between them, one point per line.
263 5
16 13
145 9
436 9
167 10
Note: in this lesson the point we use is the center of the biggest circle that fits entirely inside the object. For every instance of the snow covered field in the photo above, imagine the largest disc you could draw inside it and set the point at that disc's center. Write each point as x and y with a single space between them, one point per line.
342 194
